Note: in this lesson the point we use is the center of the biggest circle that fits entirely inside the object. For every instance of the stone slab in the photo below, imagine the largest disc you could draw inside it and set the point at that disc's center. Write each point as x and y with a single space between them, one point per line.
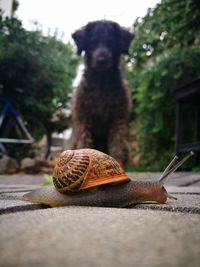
99 237
21 179
143 235
17 188
178 178
197 184
10 199
184 203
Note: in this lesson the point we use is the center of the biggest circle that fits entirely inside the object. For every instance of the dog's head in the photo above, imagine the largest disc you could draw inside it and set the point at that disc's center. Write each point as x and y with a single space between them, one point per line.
103 42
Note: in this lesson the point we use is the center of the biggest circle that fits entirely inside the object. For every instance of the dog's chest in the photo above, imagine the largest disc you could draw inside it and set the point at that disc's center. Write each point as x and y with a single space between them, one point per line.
102 104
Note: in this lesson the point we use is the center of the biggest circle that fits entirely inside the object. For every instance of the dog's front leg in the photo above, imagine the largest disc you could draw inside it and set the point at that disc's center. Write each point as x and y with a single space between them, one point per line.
118 145
82 138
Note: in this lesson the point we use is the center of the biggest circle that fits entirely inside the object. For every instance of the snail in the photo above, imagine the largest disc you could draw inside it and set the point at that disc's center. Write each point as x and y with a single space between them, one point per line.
87 177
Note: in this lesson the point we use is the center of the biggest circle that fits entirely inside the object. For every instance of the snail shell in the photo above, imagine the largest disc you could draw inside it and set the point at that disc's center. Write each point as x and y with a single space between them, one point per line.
86 168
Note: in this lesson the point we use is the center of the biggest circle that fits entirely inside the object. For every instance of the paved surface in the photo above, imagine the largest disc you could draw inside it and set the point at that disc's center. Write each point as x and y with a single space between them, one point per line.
143 235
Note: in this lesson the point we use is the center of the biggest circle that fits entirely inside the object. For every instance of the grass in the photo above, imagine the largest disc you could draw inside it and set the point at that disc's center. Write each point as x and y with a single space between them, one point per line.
48 180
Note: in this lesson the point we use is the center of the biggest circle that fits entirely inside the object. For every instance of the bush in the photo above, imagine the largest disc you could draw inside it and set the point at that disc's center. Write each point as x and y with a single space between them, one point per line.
163 56
36 72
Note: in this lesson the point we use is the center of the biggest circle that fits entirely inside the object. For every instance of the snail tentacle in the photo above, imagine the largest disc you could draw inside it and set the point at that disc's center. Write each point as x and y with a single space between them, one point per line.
170 170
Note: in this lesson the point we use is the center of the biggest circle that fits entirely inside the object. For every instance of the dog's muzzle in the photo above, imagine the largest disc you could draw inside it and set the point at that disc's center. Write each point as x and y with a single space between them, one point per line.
101 59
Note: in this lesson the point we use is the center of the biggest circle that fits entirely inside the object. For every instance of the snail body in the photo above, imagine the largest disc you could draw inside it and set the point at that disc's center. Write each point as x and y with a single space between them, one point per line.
87 177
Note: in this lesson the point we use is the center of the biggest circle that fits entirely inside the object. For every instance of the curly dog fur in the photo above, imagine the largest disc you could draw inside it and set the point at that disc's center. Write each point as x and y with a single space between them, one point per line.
101 104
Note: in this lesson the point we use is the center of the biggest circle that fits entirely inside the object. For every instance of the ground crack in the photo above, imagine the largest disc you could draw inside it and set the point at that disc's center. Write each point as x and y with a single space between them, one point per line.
190 183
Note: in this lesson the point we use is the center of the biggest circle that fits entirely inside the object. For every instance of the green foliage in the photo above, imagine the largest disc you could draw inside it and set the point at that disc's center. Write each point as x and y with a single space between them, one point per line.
36 72
172 24
163 56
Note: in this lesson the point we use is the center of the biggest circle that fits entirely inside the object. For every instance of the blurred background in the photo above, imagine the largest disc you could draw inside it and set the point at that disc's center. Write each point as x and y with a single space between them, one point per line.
39 69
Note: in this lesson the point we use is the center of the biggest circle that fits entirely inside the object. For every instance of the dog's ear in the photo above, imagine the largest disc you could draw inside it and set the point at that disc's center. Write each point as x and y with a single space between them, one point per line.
125 39
79 38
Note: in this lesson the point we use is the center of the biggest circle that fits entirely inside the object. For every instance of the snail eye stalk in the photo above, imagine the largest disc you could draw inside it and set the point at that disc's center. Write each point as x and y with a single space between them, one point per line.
171 168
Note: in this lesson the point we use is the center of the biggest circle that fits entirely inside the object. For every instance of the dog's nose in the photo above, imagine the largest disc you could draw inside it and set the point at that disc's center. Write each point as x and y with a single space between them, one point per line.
102 60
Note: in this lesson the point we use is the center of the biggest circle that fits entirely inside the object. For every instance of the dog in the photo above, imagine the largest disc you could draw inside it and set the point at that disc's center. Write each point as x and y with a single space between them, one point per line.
102 103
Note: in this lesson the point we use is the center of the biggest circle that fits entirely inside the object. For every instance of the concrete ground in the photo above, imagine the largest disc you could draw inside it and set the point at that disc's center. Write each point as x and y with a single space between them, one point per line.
143 235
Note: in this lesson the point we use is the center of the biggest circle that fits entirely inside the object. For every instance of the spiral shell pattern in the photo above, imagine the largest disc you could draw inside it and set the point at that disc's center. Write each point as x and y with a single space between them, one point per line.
85 168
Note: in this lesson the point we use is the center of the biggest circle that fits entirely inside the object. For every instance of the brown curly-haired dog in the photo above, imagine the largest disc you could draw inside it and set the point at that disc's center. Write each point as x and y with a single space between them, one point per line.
101 104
